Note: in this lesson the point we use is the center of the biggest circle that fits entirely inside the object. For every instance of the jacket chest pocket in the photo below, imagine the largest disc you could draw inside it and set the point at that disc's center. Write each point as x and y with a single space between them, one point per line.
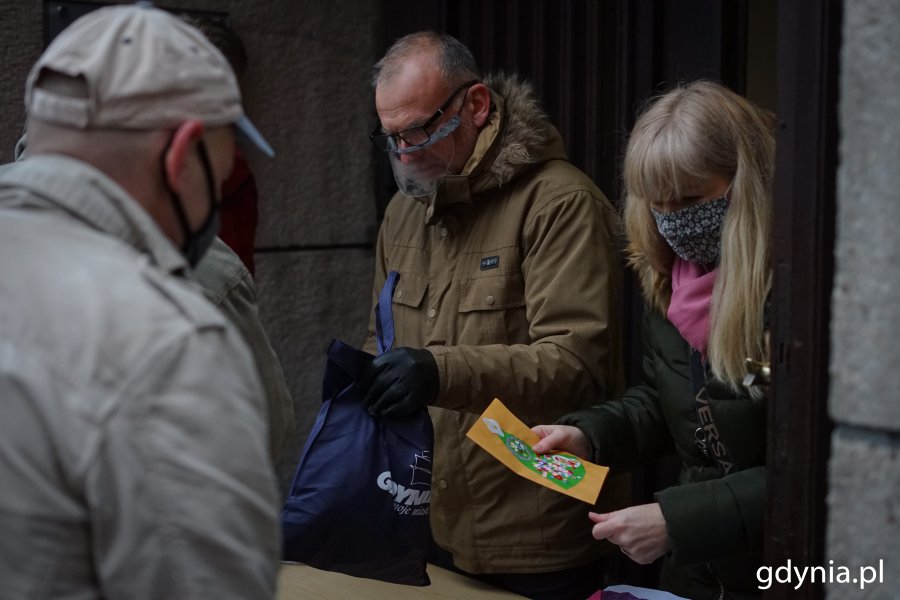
408 308
492 310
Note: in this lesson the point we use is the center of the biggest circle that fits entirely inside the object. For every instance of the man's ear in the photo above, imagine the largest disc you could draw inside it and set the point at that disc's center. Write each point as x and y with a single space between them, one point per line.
480 96
183 140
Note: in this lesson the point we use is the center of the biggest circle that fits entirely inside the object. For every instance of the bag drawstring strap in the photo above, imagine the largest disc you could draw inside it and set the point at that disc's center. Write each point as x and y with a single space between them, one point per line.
384 316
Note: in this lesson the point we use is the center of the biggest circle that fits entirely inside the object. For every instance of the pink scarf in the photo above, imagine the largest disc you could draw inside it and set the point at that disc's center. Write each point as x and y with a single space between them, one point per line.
692 289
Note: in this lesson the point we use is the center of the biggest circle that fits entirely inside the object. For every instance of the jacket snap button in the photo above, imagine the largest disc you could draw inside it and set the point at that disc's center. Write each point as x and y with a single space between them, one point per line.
444 232
443 484
399 293
431 313
489 300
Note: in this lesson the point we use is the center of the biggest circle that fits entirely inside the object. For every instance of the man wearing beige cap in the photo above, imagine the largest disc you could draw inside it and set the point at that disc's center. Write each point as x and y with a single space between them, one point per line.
133 441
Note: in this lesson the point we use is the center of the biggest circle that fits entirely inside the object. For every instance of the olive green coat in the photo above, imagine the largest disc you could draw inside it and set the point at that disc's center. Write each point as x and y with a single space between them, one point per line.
715 522
508 276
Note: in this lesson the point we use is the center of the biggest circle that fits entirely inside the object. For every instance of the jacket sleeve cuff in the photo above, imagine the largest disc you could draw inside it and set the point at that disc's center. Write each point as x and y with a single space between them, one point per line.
604 432
625 433
707 521
446 373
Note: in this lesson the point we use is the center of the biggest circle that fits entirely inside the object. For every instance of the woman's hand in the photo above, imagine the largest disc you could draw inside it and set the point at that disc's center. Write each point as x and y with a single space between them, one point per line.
562 437
639 531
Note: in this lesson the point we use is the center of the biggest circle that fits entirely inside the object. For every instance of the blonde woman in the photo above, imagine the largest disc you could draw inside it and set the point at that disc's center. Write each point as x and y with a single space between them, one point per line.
698 205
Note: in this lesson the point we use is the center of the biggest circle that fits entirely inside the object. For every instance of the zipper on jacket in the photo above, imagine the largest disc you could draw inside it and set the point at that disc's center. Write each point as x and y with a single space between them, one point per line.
721 595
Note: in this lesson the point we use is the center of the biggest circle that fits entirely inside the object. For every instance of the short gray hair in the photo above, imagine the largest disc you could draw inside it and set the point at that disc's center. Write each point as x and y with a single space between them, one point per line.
455 61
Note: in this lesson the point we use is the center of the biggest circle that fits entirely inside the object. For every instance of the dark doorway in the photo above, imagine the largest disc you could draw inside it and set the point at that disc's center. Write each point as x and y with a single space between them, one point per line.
593 64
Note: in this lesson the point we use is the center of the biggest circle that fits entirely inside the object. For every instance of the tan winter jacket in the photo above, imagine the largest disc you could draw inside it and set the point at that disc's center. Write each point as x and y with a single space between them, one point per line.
508 276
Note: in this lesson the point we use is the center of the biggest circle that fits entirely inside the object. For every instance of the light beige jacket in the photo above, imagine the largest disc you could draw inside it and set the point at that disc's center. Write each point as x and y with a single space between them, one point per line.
133 436
227 283
508 276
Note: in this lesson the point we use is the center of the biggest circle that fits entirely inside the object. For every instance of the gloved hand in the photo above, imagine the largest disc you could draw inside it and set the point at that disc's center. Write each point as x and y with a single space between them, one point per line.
399 382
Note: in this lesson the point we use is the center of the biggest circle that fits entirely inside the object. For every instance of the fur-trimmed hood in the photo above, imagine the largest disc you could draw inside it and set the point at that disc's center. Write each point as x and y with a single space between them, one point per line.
517 137
523 135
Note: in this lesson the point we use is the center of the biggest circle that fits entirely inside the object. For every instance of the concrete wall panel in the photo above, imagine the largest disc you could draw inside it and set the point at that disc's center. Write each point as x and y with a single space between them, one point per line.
21 42
864 511
308 298
864 470
865 344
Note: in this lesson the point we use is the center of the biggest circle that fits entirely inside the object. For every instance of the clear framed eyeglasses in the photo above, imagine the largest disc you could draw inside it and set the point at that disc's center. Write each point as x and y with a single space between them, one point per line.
417 138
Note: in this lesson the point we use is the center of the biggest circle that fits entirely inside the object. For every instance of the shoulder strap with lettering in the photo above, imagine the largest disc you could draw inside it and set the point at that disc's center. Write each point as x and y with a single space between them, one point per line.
707 436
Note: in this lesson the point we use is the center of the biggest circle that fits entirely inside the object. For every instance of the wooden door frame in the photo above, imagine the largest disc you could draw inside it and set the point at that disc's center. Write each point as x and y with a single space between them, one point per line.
803 259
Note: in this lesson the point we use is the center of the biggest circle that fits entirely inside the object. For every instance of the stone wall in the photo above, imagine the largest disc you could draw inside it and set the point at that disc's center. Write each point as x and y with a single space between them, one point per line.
864 496
21 42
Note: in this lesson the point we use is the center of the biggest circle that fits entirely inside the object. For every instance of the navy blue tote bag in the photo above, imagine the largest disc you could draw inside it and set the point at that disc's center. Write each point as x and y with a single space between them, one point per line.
360 500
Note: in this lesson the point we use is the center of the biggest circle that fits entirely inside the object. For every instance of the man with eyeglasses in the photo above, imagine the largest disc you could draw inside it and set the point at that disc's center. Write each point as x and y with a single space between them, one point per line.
416 171
508 288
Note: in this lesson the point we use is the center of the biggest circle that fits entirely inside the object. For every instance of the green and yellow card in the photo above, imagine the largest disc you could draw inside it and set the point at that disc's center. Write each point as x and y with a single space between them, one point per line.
510 441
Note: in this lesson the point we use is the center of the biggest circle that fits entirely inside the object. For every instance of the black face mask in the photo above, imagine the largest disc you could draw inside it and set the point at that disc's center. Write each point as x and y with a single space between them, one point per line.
196 243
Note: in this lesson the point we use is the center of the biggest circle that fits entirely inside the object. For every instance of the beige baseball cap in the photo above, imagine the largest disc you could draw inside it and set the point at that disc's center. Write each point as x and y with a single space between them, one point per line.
143 69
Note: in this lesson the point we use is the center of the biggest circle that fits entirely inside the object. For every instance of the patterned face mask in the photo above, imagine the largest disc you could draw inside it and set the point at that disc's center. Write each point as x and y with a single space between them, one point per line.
695 232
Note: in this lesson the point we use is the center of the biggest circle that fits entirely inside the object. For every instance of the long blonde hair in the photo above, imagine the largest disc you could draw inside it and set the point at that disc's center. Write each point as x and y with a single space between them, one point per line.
691 133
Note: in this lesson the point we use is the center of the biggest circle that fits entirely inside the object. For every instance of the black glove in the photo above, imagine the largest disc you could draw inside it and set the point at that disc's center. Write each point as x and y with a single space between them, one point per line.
400 382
